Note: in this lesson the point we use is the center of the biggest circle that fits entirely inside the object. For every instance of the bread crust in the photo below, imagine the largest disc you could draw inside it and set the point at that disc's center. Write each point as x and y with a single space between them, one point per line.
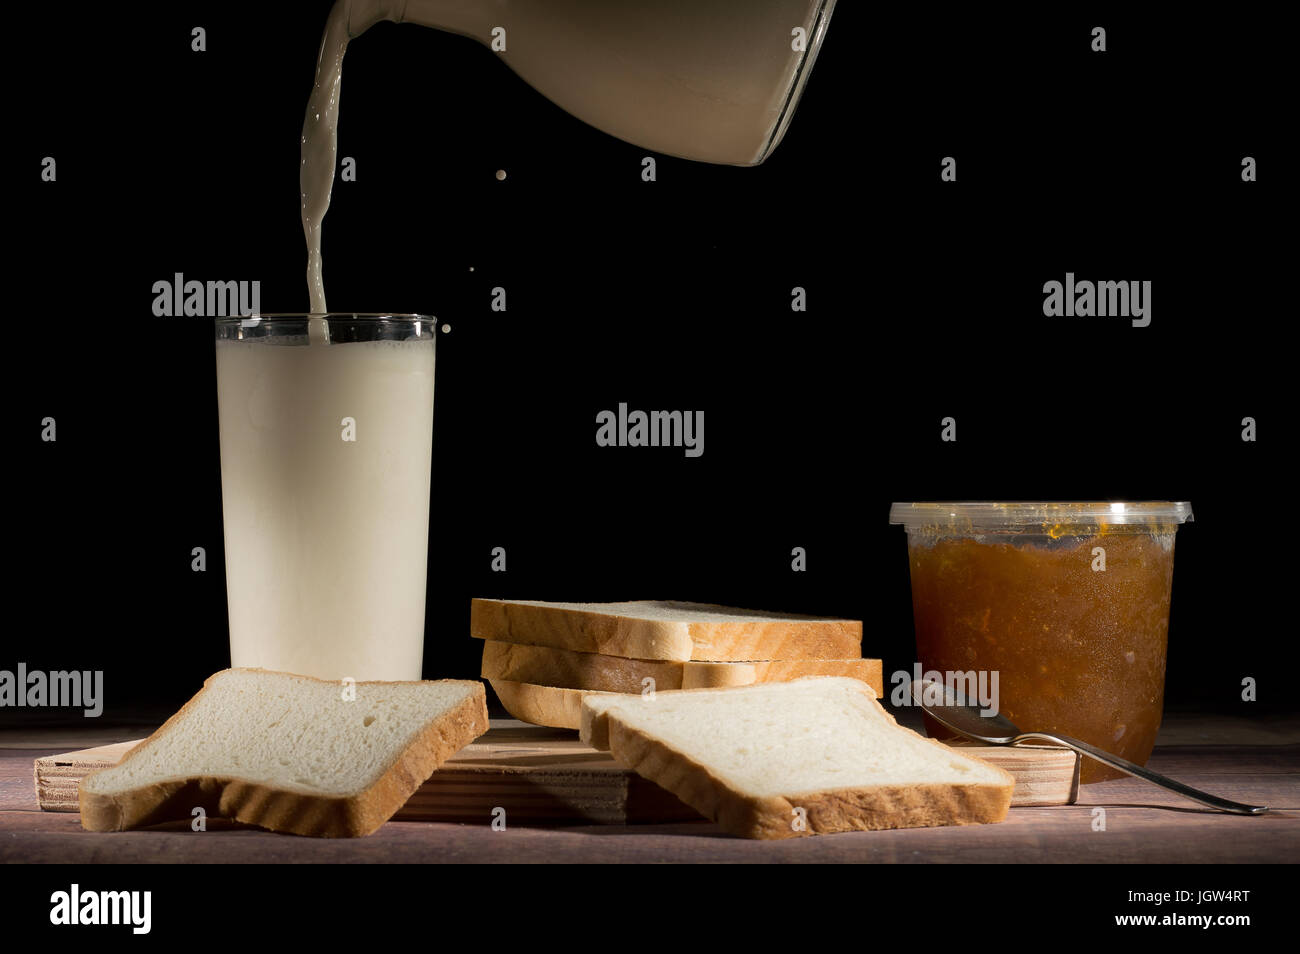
613 635
867 808
544 705
718 675
570 669
285 810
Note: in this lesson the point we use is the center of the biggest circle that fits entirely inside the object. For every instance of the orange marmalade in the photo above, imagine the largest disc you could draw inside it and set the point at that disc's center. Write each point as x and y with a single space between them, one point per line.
1068 603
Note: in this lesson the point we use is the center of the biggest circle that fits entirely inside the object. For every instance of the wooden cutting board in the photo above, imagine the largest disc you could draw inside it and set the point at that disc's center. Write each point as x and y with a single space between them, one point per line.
548 775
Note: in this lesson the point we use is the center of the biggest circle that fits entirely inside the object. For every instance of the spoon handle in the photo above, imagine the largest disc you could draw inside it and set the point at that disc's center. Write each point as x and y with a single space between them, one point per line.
1124 765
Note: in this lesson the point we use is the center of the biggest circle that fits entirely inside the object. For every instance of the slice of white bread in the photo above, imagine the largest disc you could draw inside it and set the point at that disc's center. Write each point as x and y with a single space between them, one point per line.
289 753
566 669
778 760
653 629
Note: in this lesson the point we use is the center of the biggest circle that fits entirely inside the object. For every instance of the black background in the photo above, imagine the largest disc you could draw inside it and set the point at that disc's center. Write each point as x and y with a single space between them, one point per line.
924 300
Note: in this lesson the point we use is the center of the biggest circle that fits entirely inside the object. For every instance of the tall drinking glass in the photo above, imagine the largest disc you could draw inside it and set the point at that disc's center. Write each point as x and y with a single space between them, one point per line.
326 437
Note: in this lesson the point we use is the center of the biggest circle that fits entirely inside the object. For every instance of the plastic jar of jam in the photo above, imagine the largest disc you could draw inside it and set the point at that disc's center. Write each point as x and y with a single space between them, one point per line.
1068 603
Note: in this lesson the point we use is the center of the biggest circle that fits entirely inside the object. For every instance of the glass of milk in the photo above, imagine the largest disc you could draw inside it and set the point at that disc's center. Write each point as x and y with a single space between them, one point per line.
326 436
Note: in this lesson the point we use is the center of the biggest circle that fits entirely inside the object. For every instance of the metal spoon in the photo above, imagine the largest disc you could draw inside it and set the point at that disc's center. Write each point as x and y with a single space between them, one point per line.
997 730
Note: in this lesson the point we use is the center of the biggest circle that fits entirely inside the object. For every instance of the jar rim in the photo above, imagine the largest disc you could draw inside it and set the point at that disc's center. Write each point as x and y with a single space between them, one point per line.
1020 514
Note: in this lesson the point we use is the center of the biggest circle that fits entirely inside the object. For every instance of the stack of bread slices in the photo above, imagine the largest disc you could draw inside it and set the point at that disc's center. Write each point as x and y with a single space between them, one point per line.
542 658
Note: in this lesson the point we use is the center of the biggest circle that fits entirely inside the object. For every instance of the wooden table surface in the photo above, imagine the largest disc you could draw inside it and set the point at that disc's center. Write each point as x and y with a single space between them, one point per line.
1256 761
